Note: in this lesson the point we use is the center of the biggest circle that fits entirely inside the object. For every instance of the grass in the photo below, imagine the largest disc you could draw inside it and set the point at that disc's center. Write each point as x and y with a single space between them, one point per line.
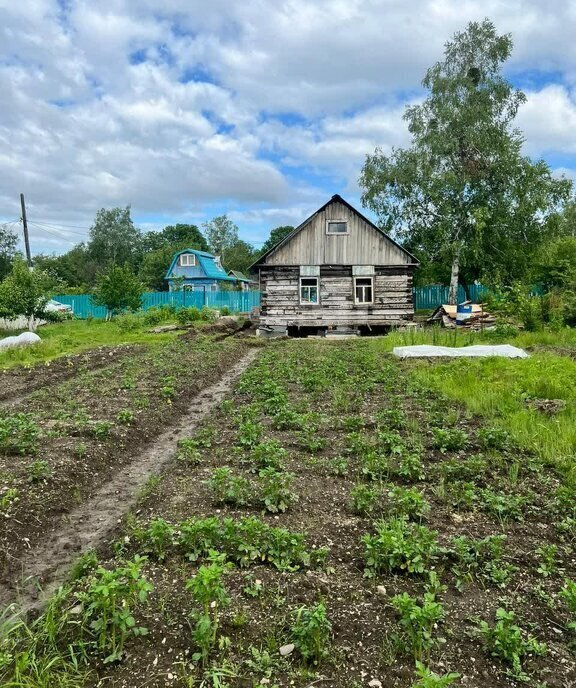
74 336
507 392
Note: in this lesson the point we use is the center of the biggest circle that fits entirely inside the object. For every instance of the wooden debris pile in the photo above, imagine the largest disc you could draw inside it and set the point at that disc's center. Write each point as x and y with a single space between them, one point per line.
477 319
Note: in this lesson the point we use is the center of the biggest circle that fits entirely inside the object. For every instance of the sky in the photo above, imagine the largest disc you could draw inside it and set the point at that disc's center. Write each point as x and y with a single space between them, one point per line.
260 109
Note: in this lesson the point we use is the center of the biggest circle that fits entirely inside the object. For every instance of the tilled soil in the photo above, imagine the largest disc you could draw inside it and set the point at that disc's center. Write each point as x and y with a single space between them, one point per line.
45 566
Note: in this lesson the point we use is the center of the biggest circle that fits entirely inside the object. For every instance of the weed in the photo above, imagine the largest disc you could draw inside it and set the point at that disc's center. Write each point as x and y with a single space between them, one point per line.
208 590
38 470
449 439
81 450
311 633
507 641
19 434
188 452
125 417
159 538
101 429
8 498
408 502
493 438
364 499
505 507
429 679
338 466
254 588
547 563
417 620
391 442
568 593
262 662
468 468
275 491
228 488
391 419
479 560
108 603
268 454
86 562
399 546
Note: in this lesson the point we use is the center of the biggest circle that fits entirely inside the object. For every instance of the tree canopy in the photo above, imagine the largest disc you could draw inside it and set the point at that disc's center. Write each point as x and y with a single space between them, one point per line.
118 289
463 193
113 238
8 243
221 234
24 292
276 236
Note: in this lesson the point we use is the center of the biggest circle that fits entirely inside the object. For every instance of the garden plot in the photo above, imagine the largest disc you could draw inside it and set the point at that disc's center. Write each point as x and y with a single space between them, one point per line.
339 522
64 441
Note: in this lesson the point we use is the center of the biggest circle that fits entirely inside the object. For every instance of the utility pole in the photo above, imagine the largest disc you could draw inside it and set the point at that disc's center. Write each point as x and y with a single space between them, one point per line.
25 225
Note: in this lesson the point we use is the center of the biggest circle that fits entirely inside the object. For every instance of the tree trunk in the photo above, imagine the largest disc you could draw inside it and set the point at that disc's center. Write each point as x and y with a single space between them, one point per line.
453 291
31 323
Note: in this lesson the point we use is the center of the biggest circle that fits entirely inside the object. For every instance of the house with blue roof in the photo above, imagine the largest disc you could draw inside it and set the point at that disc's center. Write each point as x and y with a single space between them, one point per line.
198 270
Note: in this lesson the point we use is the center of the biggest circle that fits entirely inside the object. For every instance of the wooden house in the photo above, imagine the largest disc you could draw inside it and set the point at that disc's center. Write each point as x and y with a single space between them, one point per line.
336 272
198 271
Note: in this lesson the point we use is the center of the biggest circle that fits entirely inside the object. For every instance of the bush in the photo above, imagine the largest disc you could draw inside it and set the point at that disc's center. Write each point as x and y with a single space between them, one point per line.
187 315
128 322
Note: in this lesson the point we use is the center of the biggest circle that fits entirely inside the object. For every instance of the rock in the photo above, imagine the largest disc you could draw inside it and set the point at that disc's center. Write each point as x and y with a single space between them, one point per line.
375 683
381 590
286 650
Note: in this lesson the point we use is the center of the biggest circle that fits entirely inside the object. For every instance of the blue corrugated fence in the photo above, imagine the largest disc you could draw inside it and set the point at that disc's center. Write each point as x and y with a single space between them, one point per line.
433 296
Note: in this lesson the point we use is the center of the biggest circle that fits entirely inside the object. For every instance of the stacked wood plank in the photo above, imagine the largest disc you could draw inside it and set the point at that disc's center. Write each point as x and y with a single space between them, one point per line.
478 320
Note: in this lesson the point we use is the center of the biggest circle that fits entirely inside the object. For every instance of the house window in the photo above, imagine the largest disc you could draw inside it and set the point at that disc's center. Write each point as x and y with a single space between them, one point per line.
308 290
336 227
214 287
363 290
187 260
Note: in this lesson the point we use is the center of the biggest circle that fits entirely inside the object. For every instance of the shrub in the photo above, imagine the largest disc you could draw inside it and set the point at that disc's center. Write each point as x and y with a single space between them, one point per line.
188 314
18 434
399 546
507 641
128 322
208 314
417 620
311 633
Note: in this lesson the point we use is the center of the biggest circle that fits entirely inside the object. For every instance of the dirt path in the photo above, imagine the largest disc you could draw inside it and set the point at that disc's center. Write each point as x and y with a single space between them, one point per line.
44 567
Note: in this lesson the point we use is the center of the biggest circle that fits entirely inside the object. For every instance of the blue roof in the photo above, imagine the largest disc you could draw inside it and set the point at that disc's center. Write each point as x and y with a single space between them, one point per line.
207 263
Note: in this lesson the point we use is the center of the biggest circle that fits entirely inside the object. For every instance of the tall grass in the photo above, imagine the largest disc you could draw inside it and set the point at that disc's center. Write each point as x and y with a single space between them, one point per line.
506 392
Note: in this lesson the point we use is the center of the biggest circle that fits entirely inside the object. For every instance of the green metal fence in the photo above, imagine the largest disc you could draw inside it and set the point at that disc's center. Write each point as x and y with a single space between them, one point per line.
433 296
242 301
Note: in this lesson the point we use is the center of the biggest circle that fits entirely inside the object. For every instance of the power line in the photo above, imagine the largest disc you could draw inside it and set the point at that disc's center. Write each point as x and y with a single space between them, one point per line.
63 224
48 231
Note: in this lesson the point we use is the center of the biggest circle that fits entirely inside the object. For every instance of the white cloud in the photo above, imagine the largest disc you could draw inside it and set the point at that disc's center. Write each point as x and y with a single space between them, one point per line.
185 108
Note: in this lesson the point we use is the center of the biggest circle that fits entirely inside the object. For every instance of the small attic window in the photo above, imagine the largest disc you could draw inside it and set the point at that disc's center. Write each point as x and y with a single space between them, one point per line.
336 227
187 260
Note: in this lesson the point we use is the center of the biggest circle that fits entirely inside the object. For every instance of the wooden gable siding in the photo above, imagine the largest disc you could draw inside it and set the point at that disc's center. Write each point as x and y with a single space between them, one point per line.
280 299
363 245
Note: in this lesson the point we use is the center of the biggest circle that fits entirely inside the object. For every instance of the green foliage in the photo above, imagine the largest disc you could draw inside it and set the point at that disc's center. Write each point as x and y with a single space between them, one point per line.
268 454
24 292
275 489
118 289
8 497
547 562
417 620
221 234
8 244
188 452
208 591
38 471
245 542
429 679
249 434
505 507
101 429
125 417
507 641
228 488
159 538
449 439
187 315
464 192
479 560
113 238
108 603
276 236
407 501
19 434
365 499
568 594
493 438
555 265
311 633
399 546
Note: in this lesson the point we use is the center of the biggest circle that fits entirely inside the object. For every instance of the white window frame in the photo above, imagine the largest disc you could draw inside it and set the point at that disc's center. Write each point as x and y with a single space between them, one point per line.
305 302
333 221
190 260
364 287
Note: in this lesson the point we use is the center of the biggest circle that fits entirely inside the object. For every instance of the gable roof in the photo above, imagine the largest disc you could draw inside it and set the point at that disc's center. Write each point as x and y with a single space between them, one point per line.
240 276
336 198
207 263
